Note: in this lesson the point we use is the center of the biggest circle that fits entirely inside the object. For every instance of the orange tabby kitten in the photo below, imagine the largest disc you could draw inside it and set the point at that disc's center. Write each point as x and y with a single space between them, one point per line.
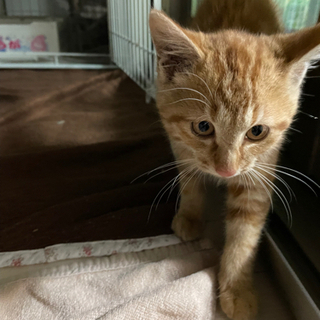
226 97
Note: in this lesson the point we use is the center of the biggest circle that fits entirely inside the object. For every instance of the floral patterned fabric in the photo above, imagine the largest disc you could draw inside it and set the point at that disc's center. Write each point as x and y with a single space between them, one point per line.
85 249
158 278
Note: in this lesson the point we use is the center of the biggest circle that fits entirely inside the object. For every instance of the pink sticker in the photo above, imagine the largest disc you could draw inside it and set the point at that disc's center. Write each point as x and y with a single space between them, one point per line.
39 43
2 45
14 44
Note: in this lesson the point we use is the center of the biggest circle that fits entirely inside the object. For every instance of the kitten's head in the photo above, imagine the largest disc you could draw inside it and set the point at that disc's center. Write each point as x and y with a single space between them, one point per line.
227 98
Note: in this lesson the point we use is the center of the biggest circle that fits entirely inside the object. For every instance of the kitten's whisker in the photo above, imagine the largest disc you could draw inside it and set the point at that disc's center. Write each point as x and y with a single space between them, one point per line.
152 124
263 185
239 180
193 74
196 178
273 186
293 129
252 180
189 179
173 163
290 175
244 182
291 193
265 181
174 184
247 183
179 193
243 179
287 168
309 115
174 167
185 184
189 89
156 197
158 168
164 192
312 77
176 181
279 193
189 99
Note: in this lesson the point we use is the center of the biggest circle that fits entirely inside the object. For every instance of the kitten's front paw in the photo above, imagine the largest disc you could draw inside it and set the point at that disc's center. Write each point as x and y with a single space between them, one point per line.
186 229
239 303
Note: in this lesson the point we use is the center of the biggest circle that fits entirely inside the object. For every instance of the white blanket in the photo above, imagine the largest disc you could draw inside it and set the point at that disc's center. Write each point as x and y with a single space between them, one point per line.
175 281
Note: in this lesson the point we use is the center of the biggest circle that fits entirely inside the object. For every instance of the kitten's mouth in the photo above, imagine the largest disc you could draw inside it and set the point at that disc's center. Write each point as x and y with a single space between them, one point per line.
225 174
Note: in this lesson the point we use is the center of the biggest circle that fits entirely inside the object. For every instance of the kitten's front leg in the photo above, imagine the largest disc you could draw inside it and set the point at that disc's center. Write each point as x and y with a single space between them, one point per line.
187 223
246 213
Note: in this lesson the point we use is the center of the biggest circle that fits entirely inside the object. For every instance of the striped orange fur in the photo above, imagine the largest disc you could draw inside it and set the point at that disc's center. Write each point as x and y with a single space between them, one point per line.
227 93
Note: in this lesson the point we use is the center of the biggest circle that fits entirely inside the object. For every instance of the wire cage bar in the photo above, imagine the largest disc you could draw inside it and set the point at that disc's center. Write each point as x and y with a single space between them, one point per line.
130 41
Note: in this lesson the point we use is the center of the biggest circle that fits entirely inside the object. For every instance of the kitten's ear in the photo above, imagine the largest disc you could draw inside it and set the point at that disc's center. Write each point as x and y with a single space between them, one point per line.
300 50
176 47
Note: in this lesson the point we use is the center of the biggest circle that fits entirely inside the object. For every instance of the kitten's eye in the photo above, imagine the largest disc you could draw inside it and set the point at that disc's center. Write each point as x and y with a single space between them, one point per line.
202 128
258 132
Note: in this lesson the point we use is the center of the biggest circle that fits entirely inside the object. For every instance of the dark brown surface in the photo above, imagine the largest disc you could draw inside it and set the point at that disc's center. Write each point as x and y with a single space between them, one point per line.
71 142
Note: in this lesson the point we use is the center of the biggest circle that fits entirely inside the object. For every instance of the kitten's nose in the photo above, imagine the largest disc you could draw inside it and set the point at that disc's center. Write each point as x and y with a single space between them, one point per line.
226 172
